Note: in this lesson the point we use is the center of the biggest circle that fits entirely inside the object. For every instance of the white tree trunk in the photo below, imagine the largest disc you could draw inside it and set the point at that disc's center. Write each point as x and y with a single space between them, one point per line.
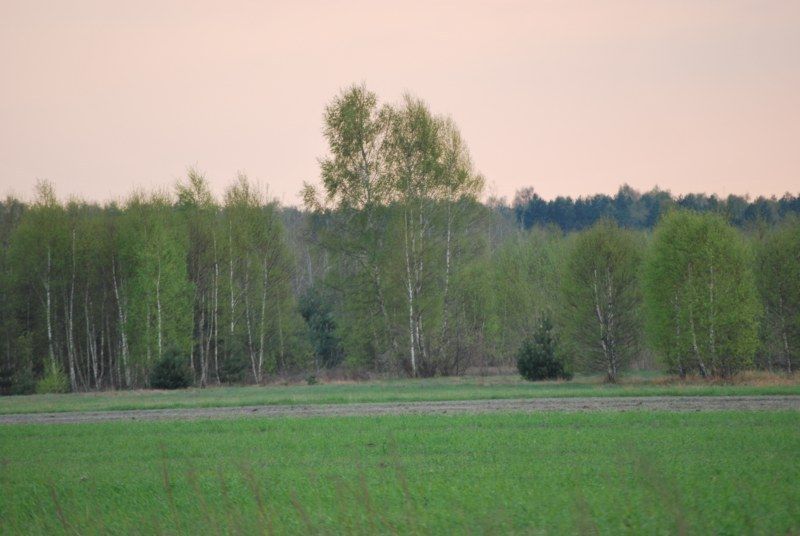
230 283
410 295
215 319
48 314
247 314
70 323
446 297
158 308
201 345
90 342
262 327
122 327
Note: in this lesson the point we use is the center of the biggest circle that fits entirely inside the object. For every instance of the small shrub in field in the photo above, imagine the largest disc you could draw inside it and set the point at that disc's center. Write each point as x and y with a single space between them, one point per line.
6 380
54 381
536 359
311 379
23 382
234 369
171 372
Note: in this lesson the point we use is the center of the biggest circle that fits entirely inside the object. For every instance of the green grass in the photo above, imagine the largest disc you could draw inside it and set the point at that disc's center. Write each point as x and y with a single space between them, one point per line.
461 388
638 473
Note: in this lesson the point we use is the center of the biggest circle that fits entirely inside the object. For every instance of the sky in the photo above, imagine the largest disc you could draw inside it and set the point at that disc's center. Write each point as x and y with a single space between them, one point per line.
569 97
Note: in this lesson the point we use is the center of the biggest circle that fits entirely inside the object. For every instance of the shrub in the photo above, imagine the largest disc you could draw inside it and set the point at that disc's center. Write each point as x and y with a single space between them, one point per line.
23 382
317 311
171 372
18 379
234 369
6 380
54 381
536 359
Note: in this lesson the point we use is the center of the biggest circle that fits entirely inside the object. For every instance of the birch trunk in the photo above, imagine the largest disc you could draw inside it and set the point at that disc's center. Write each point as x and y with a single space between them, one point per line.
608 357
376 276
610 328
281 350
446 296
262 326
248 321
693 331
122 327
784 335
158 307
90 342
711 317
70 323
410 292
215 319
230 282
201 345
695 347
681 366
48 314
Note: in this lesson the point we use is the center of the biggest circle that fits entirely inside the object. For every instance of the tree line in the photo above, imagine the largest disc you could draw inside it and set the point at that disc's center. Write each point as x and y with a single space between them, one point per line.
393 265
98 295
637 210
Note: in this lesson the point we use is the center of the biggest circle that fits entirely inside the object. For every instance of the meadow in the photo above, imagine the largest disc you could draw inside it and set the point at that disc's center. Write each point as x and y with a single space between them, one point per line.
398 390
550 473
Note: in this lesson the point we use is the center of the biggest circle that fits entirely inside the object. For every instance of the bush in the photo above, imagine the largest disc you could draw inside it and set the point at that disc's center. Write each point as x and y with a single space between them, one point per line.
317 311
536 359
54 381
171 372
23 382
18 379
234 369
6 380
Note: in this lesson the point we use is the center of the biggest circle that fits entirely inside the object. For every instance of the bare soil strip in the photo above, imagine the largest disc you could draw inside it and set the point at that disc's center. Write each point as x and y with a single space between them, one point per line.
650 403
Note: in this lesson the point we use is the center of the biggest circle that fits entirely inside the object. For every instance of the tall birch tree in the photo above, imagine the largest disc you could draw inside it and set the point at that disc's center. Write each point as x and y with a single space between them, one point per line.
700 295
601 299
778 276
357 190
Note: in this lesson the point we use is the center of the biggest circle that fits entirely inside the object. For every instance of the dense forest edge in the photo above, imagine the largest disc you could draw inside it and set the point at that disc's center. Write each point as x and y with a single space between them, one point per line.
393 266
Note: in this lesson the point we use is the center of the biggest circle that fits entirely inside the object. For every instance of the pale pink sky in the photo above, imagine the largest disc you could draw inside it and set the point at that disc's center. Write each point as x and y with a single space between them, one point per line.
569 97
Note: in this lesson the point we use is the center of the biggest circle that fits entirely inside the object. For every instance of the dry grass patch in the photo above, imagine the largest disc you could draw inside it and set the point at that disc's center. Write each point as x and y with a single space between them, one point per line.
750 378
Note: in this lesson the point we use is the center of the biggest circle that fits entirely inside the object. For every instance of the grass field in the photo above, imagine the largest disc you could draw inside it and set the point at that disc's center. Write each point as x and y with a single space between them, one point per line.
639 472
458 388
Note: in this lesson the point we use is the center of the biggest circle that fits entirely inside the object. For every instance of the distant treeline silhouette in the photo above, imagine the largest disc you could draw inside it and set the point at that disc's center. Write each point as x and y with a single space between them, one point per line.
636 210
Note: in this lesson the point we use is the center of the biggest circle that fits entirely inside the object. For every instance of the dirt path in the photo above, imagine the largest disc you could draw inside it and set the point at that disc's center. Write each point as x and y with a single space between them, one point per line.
651 403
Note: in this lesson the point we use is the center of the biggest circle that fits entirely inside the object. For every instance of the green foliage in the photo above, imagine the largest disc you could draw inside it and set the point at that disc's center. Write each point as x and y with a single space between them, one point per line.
778 276
234 369
19 379
642 210
536 359
399 191
6 380
23 382
158 291
700 295
318 314
171 371
260 314
601 297
54 381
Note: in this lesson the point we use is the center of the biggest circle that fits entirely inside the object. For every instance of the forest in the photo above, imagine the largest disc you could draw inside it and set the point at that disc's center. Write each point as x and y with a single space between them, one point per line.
396 264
